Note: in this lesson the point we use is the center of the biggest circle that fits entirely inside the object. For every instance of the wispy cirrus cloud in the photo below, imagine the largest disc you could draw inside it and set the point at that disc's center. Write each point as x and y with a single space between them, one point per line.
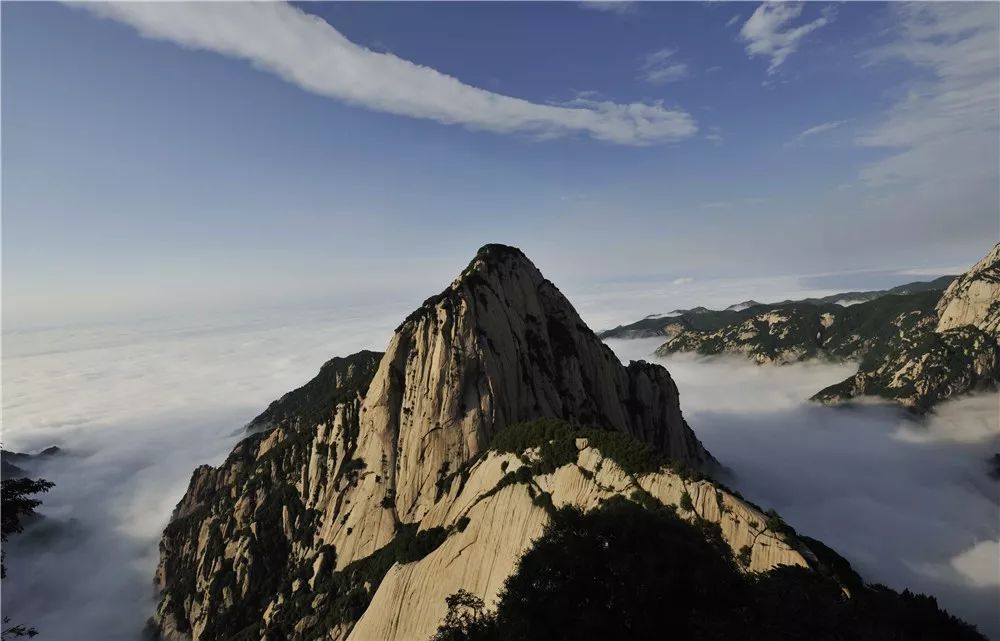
815 131
715 136
955 114
769 31
661 67
306 51
612 6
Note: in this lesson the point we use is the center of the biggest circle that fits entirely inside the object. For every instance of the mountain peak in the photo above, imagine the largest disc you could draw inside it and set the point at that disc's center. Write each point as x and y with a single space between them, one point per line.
497 252
494 266
494 262
366 464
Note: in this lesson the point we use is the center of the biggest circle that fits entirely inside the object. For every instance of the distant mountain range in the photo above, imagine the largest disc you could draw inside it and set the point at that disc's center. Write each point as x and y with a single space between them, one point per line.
916 344
653 325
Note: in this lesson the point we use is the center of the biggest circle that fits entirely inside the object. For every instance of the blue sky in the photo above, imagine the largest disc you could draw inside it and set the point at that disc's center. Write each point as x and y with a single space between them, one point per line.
158 156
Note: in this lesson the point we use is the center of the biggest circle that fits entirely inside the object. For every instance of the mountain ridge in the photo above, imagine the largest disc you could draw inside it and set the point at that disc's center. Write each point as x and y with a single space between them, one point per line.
915 344
650 326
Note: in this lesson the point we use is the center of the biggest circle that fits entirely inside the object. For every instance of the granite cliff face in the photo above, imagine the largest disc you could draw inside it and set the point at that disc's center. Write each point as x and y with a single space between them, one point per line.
974 298
373 463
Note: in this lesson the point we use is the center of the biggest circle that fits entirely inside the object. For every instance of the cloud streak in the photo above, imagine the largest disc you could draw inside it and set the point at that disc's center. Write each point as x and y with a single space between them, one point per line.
306 51
611 6
660 67
816 130
769 32
951 120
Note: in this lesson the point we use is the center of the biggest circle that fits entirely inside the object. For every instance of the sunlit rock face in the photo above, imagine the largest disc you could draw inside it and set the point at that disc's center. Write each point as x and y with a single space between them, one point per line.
974 297
492 524
502 345
354 471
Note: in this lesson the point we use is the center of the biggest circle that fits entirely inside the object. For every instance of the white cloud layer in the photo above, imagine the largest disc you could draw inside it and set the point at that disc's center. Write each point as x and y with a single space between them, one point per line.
308 52
769 32
138 407
979 563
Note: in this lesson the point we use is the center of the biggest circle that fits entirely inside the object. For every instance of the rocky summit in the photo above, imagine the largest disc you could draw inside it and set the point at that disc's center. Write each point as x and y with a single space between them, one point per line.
384 448
362 501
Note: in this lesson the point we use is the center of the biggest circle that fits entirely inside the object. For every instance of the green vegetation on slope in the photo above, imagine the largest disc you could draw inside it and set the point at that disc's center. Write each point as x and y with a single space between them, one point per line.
556 443
17 502
919 367
277 519
703 319
624 571
338 381
330 598
791 332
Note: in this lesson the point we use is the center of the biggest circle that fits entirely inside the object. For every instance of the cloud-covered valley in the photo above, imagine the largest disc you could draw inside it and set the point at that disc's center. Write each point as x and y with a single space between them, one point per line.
137 408
909 503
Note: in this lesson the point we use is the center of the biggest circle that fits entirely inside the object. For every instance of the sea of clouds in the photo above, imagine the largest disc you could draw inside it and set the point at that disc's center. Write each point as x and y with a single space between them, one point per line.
137 407
908 502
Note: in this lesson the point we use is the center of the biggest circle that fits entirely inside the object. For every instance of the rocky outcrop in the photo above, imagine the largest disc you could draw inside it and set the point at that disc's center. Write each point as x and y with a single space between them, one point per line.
769 336
924 368
338 381
974 297
290 537
494 521
926 359
789 333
